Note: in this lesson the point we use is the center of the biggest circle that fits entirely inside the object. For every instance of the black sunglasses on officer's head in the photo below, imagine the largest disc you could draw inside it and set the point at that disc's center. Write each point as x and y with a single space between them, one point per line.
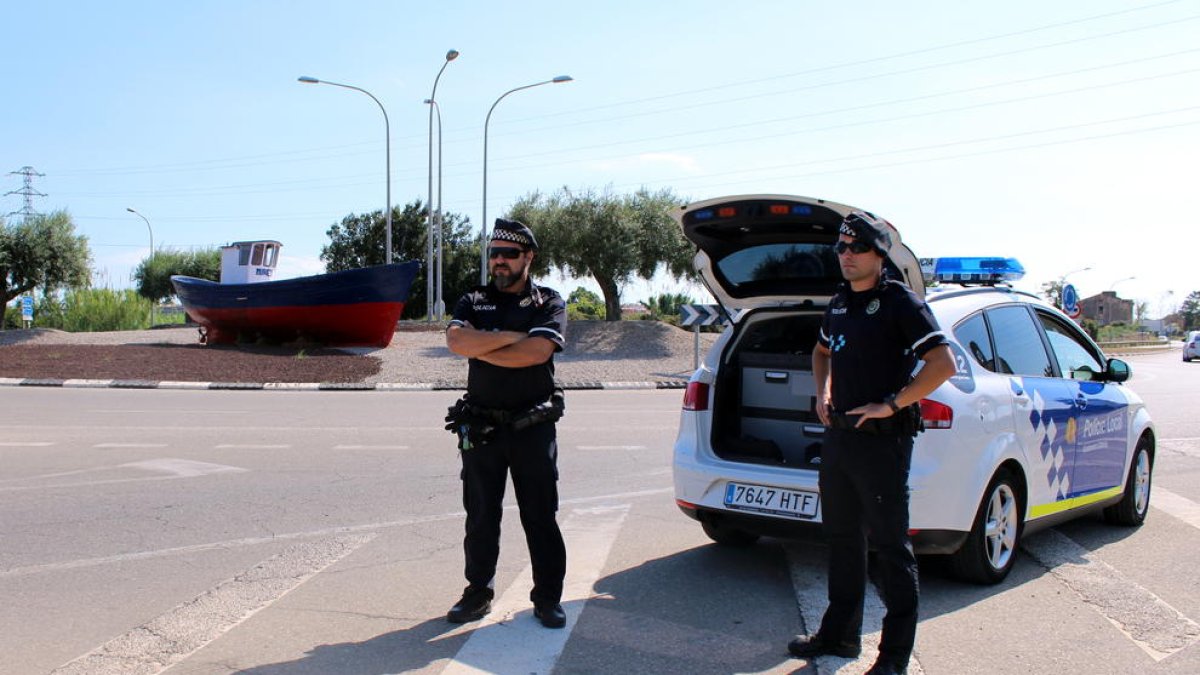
858 247
506 252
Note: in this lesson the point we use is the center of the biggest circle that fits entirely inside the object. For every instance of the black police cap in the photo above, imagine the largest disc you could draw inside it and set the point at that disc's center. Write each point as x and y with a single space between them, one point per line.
865 227
514 231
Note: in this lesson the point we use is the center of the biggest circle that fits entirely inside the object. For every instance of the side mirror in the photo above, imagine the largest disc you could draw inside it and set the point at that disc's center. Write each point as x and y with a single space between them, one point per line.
1117 371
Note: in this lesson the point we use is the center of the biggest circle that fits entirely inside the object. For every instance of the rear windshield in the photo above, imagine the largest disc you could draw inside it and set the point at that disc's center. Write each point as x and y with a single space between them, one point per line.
786 265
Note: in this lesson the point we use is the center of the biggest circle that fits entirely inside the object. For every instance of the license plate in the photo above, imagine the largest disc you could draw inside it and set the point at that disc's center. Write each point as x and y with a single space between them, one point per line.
773 500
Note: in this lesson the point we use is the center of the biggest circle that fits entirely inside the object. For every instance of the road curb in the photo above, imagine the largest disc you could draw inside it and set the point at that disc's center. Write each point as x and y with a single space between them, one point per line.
305 386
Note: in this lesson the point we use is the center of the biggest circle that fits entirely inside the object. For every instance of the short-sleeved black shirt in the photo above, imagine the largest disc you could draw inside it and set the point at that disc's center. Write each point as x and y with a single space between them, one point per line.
875 338
538 311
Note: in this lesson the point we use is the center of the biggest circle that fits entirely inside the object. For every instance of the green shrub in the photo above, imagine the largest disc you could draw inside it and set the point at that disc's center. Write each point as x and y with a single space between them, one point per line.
93 309
584 305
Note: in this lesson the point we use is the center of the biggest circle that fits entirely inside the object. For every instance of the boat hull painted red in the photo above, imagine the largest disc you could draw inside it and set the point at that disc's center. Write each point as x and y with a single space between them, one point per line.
353 308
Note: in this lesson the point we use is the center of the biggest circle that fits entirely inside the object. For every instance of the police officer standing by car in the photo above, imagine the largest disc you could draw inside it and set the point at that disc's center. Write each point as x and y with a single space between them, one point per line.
510 330
874 332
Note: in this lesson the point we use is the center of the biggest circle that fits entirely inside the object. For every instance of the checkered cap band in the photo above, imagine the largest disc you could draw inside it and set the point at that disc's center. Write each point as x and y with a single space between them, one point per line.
514 231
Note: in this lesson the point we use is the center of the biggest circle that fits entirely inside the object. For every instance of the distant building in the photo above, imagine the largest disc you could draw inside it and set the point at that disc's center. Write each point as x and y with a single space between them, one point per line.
1107 308
635 309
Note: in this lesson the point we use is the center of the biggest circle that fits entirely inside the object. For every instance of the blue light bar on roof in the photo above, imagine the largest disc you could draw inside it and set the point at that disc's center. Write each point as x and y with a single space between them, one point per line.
706 214
976 270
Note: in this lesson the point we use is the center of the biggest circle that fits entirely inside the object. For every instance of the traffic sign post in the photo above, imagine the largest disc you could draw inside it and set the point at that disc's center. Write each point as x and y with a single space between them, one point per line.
696 316
27 310
1070 302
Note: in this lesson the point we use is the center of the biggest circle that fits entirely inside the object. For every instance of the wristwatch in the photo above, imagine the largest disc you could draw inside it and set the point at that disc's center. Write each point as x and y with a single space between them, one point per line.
890 400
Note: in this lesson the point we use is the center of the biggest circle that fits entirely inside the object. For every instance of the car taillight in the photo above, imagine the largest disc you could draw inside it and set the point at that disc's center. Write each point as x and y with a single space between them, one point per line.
936 415
695 397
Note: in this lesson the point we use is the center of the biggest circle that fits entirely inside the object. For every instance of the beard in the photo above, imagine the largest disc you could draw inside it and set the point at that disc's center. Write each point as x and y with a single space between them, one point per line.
506 278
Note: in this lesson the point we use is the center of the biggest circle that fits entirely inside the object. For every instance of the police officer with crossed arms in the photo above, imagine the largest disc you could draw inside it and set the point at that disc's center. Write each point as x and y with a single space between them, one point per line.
510 330
874 332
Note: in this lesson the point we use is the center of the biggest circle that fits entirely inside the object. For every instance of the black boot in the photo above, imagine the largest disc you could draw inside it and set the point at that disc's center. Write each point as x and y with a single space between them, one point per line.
475 603
551 615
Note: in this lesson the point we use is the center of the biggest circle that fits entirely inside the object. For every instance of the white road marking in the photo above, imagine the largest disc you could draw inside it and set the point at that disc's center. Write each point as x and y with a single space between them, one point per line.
174 468
251 446
370 447
1146 619
510 640
323 532
130 445
184 468
809 566
25 444
172 637
129 411
612 447
1175 505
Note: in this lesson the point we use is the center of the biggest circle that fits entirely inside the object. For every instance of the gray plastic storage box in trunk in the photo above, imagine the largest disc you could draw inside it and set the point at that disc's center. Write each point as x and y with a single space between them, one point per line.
778 405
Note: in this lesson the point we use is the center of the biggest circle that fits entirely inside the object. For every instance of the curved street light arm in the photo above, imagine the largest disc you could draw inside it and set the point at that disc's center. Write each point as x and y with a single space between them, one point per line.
483 227
387 130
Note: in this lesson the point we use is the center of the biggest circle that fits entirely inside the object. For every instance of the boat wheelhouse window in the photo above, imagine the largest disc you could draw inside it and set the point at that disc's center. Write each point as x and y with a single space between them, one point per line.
269 258
257 258
243 256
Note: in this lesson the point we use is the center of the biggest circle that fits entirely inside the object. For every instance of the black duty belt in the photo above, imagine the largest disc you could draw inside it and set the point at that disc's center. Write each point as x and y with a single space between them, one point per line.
877 426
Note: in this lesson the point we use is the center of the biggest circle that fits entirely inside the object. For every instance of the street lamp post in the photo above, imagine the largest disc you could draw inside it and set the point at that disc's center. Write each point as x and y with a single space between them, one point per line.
439 305
1114 284
1063 278
435 217
387 130
483 227
151 231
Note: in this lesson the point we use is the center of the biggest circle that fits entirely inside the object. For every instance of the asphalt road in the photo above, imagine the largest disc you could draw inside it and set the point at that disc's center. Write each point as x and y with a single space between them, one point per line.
320 532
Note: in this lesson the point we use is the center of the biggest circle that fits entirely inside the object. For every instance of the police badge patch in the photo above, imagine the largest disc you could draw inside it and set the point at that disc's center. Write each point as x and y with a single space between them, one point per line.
525 302
873 306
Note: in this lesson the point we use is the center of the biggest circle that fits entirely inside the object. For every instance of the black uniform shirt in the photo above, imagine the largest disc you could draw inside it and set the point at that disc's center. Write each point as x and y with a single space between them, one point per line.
875 338
538 311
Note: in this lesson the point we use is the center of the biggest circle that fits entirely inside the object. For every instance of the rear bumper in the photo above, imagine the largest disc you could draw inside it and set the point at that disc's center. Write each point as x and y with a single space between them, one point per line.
925 542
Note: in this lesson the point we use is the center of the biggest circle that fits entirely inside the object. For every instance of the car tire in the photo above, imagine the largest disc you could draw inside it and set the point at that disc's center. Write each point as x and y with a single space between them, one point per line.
988 554
728 536
1135 503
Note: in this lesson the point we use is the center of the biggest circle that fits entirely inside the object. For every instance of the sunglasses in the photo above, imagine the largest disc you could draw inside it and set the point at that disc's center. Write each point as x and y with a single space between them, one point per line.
857 247
506 252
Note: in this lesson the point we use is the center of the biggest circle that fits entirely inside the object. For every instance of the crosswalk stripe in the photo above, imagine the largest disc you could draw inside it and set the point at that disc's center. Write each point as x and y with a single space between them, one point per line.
1176 505
809 567
1146 619
172 637
510 640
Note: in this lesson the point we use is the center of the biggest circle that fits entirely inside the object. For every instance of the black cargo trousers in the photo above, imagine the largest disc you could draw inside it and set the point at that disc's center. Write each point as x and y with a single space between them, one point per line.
864 493
531 455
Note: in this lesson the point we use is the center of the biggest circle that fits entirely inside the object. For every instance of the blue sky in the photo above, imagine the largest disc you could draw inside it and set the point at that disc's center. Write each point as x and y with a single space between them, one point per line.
1064 134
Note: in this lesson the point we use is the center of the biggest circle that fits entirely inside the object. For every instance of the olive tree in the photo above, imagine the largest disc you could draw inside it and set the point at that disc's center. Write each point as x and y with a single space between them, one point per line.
610 238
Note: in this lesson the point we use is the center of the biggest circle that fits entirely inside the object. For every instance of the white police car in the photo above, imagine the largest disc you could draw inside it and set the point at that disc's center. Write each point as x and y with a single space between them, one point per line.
1191 346
1035 428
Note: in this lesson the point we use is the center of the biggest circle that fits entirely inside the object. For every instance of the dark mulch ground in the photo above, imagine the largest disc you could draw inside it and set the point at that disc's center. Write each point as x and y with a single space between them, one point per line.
186 363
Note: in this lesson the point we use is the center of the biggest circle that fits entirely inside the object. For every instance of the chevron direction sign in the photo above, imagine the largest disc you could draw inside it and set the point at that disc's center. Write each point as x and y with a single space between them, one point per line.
700 315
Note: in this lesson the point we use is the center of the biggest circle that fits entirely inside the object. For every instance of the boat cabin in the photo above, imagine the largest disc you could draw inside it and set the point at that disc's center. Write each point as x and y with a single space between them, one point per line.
248 262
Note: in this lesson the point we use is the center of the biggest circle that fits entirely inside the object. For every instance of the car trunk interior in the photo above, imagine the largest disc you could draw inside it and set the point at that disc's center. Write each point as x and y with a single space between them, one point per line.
766 378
